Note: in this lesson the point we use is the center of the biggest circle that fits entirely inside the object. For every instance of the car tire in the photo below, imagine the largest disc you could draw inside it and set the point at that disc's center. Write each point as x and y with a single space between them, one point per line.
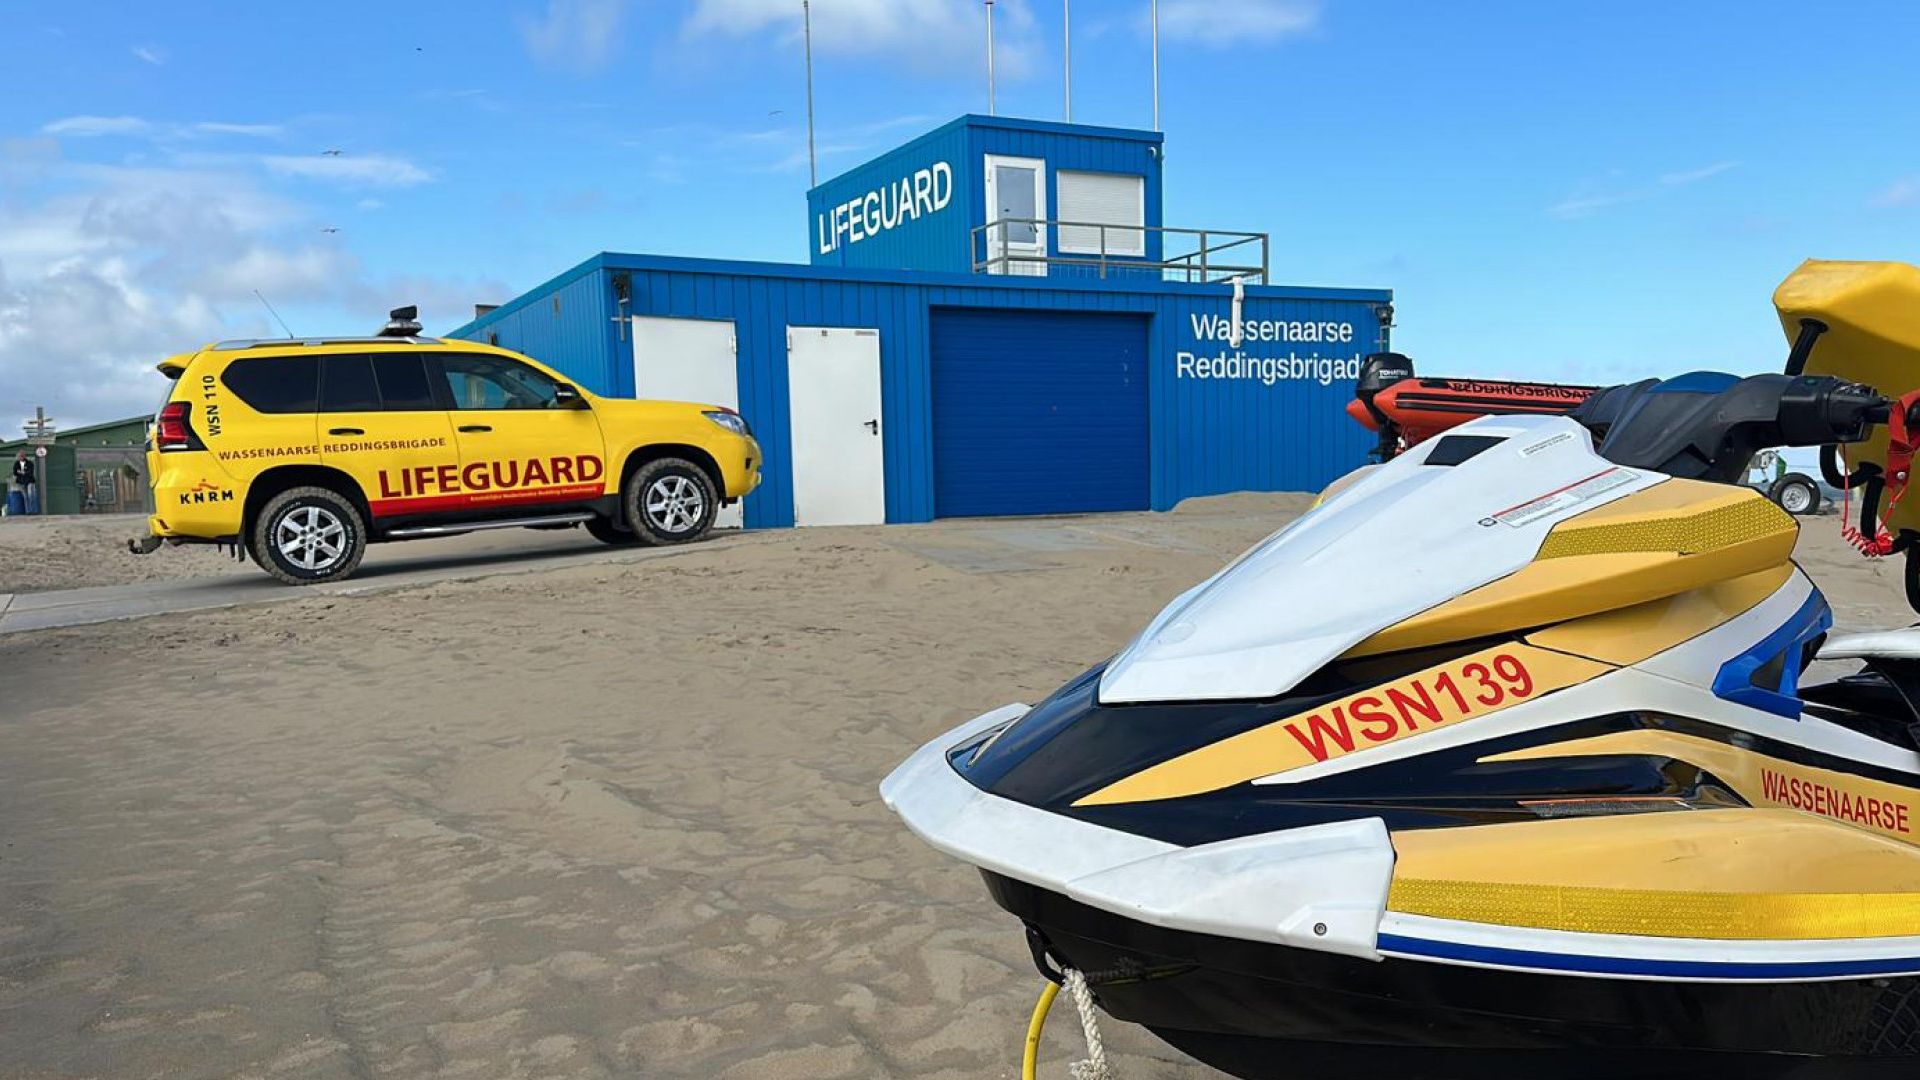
607 532
1797 495
307 535
669 501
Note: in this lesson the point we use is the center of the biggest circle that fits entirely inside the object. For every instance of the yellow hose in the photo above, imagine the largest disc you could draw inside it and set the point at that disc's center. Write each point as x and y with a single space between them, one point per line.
1030 1061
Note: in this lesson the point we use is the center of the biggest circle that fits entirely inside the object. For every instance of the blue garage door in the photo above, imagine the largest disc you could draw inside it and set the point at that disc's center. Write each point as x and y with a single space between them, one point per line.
1038 412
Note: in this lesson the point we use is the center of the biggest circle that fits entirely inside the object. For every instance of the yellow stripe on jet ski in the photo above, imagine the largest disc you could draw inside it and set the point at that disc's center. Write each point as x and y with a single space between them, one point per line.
1672 538
1730 849
1892 810
1734 873
1743 520
1467 688
1664 913
1632 634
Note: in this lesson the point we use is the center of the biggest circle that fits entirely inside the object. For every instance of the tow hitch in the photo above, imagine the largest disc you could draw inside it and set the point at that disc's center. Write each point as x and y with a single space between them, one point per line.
144 545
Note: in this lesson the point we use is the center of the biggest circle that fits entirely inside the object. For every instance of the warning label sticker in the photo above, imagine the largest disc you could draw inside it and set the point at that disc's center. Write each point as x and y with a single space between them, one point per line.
1554 502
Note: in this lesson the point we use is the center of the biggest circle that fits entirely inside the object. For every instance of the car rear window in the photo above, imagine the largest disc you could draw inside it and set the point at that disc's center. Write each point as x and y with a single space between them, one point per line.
346 384
274 384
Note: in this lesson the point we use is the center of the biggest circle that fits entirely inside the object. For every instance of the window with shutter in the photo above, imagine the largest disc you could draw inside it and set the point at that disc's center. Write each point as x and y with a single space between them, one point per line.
1103 199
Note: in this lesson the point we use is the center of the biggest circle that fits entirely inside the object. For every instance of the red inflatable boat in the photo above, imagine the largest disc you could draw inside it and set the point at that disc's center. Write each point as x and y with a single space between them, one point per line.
1406 409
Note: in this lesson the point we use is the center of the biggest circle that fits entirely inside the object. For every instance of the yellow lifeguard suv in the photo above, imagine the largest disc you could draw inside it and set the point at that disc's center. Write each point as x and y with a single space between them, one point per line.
302 452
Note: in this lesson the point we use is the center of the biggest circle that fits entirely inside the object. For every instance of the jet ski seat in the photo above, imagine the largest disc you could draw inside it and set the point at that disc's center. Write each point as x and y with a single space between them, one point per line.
1881 700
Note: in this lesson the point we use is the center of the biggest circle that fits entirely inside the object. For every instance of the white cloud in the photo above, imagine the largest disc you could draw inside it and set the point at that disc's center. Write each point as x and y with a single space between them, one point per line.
577 35
105 269
82 127
152 54
1241 22
1590 202
373 170
216 127
1694 176
934 35
1619 189
766 150
1902 192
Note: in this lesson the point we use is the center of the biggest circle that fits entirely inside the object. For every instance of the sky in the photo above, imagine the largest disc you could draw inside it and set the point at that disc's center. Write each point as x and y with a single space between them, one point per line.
1583 192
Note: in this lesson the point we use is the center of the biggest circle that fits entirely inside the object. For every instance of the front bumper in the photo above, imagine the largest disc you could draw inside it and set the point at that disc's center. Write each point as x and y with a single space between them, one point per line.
1323 887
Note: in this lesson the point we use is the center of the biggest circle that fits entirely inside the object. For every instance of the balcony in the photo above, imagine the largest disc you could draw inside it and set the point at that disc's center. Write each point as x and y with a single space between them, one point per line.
1020 247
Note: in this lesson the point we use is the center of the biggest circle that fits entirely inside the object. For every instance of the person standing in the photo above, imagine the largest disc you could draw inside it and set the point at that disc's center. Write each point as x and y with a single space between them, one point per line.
26 481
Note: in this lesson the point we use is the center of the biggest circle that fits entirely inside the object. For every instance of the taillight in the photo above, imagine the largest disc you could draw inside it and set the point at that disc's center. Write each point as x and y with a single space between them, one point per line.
170 430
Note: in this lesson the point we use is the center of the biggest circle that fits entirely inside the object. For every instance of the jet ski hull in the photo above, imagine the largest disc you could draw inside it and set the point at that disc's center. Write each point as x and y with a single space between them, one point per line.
1266 1012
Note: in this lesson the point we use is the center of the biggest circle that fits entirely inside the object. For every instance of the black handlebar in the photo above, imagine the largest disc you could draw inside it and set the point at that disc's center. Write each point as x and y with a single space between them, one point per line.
1816 410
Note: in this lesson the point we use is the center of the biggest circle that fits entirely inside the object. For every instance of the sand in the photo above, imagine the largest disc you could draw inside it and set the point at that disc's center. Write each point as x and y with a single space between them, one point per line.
607 820
76 551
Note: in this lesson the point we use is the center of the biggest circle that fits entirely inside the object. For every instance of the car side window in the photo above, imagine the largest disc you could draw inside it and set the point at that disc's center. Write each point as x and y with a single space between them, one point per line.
496 382
274 384
346 384
402 377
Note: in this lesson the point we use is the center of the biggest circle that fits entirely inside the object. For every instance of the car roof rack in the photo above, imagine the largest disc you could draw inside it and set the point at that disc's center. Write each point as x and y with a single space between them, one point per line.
267 343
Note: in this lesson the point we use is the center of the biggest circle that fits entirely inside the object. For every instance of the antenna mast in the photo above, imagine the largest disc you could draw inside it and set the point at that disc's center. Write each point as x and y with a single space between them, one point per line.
275 314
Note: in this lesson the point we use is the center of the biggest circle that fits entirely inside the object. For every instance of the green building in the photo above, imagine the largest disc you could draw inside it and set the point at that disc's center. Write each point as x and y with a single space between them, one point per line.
97 469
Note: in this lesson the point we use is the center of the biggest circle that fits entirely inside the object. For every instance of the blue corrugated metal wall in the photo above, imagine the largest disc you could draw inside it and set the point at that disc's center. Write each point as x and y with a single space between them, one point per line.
1118 152
944 240
1222 426
930 241
1038 412
564 322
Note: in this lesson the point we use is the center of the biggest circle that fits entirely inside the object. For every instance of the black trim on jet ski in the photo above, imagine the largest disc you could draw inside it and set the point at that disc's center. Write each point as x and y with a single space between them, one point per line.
1271 1012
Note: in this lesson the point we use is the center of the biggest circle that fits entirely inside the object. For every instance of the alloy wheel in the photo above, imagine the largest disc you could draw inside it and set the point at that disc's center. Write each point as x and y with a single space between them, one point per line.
674 504
312 538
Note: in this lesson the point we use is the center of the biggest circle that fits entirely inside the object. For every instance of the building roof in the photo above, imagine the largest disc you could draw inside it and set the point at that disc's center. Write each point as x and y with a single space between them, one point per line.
12 445
616 261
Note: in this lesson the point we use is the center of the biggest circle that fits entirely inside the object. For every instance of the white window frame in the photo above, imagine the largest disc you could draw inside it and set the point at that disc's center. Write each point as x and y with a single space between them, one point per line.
996 243
1116 229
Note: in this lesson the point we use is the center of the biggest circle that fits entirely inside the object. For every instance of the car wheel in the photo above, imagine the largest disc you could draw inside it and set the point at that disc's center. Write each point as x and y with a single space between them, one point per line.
307 535
1797 495
608 533
669 501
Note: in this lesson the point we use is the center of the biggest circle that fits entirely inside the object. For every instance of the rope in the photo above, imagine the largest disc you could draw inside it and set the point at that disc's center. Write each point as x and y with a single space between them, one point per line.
1095 1067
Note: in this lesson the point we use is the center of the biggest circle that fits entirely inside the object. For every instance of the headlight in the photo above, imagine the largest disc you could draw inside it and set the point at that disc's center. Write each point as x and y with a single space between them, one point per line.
732 421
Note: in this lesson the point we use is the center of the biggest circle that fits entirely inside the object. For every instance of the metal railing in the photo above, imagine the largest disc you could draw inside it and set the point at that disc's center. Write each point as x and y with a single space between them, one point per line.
1202 264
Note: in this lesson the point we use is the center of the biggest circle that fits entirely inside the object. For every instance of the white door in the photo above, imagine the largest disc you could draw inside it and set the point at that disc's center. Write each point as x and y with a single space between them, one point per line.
833 394
688 360
1016 190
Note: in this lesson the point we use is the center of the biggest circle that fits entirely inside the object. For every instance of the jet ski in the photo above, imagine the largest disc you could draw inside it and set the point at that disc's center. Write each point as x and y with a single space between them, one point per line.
1499 761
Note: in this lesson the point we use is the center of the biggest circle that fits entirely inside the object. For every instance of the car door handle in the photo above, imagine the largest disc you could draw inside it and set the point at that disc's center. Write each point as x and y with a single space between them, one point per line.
345 431
469 428
873 426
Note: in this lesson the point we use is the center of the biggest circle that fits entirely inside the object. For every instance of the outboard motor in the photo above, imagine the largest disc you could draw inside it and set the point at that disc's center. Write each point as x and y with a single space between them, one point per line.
1377 372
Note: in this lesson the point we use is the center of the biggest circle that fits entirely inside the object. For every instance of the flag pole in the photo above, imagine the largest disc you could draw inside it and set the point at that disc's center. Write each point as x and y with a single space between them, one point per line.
990 110
1156 65
806 17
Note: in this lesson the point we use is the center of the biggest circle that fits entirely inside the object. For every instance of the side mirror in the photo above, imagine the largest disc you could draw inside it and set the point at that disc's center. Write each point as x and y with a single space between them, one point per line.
566 396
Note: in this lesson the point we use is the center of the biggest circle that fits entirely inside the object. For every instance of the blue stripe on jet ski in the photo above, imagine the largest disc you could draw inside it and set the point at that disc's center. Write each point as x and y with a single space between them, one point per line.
1734 681
1627 965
